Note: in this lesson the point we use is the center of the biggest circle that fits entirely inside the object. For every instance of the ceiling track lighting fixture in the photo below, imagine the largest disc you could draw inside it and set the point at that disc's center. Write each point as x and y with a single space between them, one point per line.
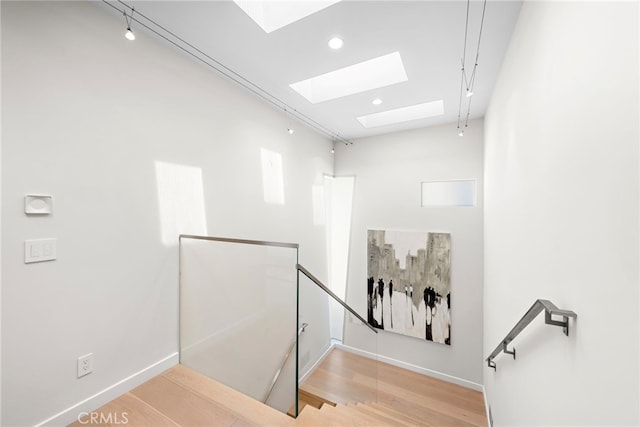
219 67
467 82
129 34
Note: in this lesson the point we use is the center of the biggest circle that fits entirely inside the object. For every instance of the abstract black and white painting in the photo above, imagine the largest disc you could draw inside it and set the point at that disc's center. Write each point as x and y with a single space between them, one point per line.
409 283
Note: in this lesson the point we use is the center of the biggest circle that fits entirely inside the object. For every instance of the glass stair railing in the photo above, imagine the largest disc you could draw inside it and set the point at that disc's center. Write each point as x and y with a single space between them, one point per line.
238 314
254 319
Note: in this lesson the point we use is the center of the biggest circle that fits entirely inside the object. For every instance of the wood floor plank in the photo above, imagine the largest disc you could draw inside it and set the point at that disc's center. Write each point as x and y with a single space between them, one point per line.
430 415
386 417
181 405
129 410
398 415
365 418
241 405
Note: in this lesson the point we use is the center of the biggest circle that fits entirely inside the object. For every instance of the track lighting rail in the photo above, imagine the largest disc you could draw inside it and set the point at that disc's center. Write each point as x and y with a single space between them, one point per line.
222 69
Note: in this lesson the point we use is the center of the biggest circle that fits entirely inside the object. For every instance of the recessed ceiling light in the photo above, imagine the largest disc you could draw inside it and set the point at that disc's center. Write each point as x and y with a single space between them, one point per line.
372 74
271 15
404 114
377 101
336 43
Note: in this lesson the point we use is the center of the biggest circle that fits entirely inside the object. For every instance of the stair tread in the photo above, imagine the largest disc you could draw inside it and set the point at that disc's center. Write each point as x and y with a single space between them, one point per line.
323 417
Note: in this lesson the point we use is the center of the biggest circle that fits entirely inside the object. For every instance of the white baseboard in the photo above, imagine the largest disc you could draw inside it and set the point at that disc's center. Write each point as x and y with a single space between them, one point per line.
414 368
105 396
486 408
318 362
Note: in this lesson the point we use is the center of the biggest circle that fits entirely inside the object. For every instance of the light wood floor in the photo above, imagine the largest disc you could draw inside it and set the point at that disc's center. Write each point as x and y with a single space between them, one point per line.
347 378
367 393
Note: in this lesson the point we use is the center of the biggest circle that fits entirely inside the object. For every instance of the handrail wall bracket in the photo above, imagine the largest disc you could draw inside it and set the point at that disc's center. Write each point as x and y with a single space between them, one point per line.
504 349
550 310
564 323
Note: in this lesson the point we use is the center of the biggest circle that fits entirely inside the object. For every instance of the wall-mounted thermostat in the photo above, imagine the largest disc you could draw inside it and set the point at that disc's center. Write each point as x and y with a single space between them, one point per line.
37 205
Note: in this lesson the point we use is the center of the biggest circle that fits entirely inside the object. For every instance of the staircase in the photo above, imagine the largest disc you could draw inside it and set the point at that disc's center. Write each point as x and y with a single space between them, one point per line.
355 414
362 386
183 397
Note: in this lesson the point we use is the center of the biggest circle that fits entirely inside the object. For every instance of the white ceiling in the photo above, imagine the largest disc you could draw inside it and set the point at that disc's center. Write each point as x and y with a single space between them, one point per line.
429 35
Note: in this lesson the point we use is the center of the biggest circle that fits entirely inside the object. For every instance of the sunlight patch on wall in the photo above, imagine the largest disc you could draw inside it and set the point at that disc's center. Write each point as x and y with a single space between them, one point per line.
272 177
339 202
181 201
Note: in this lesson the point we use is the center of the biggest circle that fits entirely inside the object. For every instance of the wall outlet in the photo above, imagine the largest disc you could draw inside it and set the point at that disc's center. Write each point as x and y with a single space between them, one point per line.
85 365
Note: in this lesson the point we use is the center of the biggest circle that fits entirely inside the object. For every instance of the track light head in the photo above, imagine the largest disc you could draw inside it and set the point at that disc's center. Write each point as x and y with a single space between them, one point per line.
129 34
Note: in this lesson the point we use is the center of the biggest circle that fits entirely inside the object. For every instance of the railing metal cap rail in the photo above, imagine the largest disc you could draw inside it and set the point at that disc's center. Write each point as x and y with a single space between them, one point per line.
243 241
311 277
550 310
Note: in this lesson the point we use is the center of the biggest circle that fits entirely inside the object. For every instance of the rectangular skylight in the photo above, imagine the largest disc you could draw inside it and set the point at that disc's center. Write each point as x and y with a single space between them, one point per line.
271 15
404 114
374 73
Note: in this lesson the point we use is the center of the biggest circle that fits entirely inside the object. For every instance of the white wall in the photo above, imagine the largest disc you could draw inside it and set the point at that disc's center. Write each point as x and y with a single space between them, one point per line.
561 216
86 114
388 171
0 222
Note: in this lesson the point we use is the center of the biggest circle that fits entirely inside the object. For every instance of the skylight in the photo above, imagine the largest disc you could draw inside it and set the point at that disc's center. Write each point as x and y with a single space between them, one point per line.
404 114
271 15
372 74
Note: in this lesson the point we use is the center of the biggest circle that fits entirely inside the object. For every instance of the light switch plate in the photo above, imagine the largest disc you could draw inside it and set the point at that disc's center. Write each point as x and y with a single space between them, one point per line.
39 250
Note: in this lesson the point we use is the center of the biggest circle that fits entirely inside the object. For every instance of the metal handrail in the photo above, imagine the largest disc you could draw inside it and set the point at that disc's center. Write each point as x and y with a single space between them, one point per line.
242 241
286 356
550 310
334 296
